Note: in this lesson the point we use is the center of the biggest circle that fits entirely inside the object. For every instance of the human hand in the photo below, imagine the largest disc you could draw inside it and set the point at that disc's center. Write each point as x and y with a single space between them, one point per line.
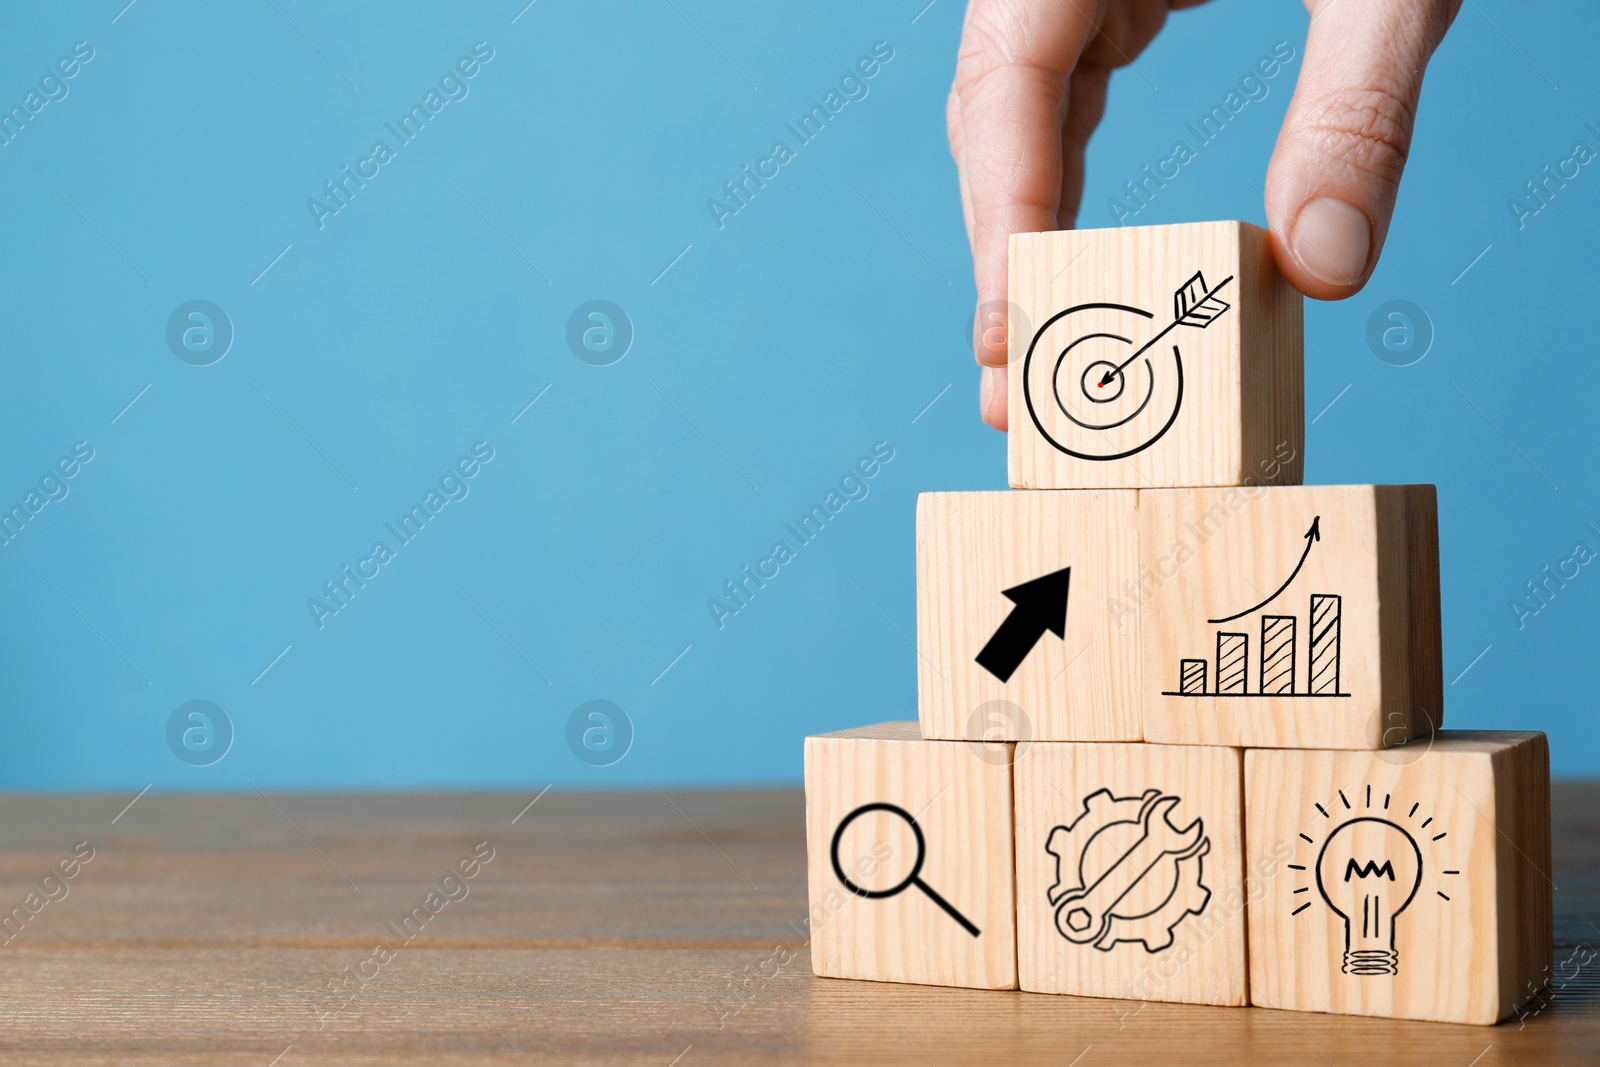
1030 88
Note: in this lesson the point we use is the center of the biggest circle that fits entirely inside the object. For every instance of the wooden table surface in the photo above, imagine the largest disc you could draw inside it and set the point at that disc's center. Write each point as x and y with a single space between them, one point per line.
640 928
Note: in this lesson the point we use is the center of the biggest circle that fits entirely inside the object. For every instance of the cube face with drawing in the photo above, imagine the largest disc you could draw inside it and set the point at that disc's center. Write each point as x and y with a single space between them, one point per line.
1291 616
1130 872
908 851
1152 356
1018 636
1419 884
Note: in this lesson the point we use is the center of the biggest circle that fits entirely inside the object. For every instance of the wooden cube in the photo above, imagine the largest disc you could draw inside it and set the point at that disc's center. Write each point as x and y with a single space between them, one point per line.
908 846
1292 616
1015 639
1417 880
1153 356
1130 872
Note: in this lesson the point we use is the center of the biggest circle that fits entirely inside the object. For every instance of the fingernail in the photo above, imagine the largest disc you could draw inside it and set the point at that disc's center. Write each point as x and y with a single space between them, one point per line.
1331 239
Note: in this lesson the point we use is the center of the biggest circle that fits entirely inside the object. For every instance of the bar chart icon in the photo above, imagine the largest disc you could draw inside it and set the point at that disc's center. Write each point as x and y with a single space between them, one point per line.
1282 669
1279 671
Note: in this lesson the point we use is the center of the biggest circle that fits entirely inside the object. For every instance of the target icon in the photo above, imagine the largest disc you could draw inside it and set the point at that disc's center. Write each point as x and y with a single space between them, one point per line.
1101 384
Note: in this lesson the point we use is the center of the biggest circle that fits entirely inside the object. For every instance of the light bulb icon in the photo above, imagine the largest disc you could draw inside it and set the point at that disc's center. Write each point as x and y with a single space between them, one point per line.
1368 872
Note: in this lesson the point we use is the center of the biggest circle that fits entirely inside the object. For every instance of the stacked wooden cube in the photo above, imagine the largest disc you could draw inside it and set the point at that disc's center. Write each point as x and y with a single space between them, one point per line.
1179 715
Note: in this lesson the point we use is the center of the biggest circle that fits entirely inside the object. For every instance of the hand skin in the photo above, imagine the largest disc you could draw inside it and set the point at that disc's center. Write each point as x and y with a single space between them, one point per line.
1030 88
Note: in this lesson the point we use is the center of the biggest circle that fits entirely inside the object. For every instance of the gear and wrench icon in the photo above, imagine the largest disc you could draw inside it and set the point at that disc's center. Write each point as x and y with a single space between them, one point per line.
1125 873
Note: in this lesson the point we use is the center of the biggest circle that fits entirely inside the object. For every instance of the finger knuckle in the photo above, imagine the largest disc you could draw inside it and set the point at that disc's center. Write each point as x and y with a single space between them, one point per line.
984 47
992 44
1367 130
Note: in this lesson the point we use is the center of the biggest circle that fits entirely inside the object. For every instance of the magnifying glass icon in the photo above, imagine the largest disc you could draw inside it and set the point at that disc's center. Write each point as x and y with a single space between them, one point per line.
911 879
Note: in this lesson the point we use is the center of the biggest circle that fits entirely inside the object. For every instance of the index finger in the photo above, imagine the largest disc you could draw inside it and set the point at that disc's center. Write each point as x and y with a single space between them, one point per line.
1010 93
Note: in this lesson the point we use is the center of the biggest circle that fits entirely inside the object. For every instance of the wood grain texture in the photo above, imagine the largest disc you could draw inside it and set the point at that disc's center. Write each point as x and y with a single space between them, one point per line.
1443 846
1209 554
1195 953
971 547
611 928
1084 299
1524 889
959 796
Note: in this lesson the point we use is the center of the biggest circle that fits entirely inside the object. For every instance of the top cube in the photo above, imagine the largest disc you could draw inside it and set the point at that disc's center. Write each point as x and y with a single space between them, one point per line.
1153 357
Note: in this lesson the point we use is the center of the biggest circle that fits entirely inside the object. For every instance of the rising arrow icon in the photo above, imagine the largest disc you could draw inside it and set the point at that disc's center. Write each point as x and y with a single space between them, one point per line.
1041 605
1312 536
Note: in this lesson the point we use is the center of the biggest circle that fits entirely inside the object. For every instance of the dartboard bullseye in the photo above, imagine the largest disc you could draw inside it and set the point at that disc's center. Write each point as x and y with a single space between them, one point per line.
1102 381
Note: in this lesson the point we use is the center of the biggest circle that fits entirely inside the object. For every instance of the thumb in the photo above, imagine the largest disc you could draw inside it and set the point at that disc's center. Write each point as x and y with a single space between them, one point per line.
1335 173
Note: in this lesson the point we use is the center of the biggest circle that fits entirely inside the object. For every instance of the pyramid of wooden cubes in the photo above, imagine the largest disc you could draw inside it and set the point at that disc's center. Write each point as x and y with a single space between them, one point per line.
1180 716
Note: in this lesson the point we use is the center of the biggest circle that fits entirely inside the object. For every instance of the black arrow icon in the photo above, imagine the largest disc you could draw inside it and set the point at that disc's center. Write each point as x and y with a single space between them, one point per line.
1040 605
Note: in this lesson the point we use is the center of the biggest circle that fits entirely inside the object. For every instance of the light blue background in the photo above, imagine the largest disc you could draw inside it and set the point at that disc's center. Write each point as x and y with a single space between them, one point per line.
773 353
